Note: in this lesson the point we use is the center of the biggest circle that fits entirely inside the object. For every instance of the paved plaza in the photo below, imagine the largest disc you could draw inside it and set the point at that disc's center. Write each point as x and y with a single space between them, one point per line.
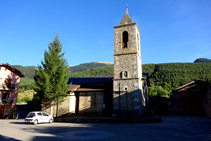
188 128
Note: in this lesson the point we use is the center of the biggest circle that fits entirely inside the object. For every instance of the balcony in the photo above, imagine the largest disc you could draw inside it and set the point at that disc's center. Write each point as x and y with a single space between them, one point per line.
7 87
6 102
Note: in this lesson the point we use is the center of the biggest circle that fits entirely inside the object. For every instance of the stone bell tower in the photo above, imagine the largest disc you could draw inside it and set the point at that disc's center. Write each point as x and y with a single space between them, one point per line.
128 98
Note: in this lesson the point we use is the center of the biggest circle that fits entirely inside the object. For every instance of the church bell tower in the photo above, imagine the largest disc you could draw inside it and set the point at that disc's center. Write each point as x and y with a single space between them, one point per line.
128 99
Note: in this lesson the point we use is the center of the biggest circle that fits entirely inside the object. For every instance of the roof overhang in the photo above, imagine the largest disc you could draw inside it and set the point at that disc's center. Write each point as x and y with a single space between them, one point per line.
12 69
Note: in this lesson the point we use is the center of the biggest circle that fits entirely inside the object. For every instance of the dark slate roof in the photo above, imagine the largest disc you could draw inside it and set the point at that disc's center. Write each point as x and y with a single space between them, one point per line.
77 82
126 19
92 79
96 79
190 83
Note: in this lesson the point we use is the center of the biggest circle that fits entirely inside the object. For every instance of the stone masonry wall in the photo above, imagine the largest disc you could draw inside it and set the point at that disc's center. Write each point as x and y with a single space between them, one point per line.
130 103
133 44
127 62
91 103
66 107
127 73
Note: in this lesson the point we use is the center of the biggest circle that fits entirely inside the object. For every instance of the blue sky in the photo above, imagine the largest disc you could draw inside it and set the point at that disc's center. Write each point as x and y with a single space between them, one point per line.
171 30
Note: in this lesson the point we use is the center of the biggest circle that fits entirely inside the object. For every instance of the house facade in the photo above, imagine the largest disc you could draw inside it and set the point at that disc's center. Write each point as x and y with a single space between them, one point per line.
9 85
193 98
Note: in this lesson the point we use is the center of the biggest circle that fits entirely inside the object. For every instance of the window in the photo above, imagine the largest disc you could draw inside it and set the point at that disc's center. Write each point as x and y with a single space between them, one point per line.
44 114
39 114
124 74
126 89
5 96
7 81
125 43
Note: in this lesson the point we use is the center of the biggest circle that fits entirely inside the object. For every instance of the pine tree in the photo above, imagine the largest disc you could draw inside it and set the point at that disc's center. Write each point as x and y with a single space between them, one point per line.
52 76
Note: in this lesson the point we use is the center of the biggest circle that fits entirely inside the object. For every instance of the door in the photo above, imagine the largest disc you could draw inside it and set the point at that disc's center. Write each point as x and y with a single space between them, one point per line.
1 112
45 117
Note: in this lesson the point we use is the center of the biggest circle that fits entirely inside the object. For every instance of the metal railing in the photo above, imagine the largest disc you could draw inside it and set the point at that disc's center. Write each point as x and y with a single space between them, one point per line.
6 102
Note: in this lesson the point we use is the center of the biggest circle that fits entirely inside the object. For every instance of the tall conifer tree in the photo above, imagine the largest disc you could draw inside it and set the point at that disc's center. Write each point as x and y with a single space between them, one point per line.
52 76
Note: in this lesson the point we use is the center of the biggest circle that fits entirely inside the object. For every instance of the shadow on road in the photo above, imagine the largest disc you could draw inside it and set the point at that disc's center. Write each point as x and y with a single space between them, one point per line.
17 122
172 128
3 138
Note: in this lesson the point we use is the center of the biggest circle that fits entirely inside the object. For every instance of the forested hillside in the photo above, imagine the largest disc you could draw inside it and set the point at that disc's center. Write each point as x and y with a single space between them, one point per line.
25 82
100 71
177 74
86 66
174 74
163 77
27 71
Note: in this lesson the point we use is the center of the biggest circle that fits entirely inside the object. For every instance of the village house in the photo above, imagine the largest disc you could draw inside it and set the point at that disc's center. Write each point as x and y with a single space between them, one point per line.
193 98
9 85
123 94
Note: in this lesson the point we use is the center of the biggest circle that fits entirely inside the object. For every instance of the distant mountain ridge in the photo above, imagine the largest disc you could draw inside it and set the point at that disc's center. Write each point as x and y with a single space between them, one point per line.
87 66
202 60
27 71
30 70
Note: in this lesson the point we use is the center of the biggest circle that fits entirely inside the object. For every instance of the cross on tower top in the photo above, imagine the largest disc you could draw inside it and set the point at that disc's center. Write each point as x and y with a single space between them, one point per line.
126 8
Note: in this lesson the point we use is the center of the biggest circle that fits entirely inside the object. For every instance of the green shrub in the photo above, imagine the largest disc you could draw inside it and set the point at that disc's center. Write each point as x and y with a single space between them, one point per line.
26 99
19 100
21 91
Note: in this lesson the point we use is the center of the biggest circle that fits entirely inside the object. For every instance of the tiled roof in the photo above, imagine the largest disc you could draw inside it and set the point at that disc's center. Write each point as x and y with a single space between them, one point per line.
126 19
11 68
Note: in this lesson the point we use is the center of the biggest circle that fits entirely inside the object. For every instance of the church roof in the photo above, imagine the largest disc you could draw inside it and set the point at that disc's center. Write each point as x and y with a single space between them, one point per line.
92 79
77 82
126 19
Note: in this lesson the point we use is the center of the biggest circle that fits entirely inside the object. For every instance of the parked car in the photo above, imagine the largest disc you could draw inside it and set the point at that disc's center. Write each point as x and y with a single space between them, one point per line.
38 117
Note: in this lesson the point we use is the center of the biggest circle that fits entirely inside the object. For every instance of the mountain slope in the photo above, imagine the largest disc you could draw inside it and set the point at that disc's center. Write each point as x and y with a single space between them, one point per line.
202 60
28 72
86 66
175 74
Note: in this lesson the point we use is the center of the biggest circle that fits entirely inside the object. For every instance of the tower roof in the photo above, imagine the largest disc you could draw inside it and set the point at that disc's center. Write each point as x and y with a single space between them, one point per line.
126 19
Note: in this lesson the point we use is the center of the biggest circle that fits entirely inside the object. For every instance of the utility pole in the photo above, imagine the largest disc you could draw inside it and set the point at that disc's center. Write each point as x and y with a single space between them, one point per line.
57 104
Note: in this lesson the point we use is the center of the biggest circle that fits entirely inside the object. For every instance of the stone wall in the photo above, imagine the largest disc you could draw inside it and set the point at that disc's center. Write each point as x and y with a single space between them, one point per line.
130 102
66 107
129 63
90 103
191 99
133 39
127 73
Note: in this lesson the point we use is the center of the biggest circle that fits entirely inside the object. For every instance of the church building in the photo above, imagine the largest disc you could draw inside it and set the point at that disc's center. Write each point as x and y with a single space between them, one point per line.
123 94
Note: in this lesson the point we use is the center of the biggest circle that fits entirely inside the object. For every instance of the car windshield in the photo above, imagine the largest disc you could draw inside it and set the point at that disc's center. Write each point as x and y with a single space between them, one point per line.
30 115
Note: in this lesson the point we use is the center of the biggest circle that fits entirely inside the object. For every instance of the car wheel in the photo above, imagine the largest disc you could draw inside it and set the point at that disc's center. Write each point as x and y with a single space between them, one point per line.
35 122
51 120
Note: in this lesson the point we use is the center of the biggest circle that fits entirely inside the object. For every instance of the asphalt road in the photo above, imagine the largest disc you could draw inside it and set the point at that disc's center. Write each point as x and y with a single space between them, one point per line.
176 128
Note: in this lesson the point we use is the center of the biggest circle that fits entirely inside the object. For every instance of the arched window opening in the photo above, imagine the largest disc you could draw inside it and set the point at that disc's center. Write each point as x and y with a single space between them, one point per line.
124 74
125 40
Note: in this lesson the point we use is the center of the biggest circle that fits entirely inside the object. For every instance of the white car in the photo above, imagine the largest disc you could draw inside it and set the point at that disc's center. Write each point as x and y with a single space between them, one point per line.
38 117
